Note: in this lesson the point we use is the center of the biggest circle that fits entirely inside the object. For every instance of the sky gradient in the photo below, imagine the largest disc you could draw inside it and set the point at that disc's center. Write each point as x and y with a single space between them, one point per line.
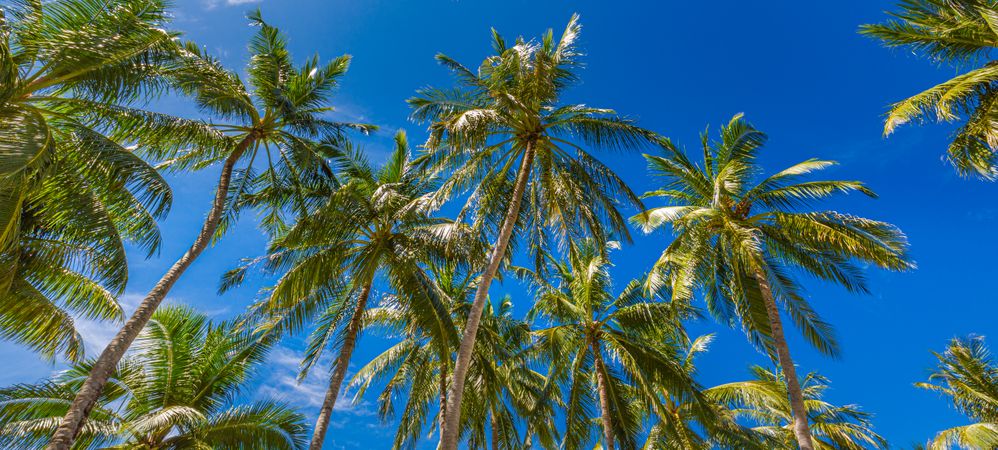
799 72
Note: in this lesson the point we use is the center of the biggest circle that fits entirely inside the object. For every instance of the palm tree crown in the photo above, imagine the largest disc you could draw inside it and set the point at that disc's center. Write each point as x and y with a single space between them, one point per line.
737 240
511 110
691 423
174 392
763 401
69 194
504 133
614 351
959 32
968 375
727 225
416 370
277 118
376 226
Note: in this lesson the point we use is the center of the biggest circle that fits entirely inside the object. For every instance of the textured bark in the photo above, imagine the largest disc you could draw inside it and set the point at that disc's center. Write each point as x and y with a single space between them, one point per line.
443 395
450 434
800 426
340 371
105 365
493 425
604 400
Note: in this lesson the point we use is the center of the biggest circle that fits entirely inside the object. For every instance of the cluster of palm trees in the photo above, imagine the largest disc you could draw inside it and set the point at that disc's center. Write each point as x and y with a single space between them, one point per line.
358 247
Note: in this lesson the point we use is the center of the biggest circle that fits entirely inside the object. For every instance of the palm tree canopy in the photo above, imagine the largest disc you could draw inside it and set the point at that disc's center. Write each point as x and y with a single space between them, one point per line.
728 223
176 391
960 32
968 375
514 395
764 402
510 392
632 339
375 225
483 126
70 192
691 423
275 125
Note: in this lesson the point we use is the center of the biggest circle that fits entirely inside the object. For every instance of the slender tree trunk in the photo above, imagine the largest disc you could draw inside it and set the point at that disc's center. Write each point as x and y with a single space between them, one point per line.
340 371
801 430
449 437
443 394
105 365
604 400
493 425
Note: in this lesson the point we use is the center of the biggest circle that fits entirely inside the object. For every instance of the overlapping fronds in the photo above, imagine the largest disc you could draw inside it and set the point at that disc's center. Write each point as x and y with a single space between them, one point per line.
968 376
625 346
962 32
763 400
731 223
176 391
71 193
481 129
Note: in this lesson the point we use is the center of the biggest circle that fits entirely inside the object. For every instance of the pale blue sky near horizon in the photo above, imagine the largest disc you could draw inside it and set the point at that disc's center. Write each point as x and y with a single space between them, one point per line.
799 72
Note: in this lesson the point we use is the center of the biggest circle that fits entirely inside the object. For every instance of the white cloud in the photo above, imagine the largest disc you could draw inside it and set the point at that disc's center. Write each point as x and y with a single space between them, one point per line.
212 4
96 334
282 384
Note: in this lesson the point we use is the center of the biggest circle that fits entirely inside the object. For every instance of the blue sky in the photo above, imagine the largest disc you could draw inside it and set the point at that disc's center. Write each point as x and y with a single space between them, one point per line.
799 72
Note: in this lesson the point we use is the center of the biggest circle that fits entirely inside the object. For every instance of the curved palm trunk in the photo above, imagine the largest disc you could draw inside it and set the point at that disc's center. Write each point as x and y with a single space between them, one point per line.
340 371
449 436
92 387
604 400
801 429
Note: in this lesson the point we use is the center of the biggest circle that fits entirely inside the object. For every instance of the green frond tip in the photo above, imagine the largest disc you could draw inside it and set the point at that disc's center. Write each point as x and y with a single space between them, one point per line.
966 375
177 389
961 33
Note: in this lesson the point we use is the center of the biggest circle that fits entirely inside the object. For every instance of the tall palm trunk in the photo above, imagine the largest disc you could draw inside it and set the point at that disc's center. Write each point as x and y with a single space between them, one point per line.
801 429
443 394
448 439
493 425
340 371
92 387
604 399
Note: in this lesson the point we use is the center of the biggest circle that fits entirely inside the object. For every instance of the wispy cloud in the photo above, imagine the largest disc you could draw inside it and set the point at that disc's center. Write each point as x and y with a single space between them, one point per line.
96 334
212 4
282 384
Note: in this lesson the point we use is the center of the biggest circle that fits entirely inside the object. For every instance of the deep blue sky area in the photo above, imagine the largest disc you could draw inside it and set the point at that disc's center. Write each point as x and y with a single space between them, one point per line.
799 72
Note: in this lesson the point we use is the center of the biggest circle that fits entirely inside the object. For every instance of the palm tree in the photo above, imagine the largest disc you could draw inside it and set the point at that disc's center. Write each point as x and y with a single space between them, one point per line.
69 194
174 392
276 118
509 394
968 375
961 33
736 240
619 349
504 131
417 369
696 425
763 400
375 225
